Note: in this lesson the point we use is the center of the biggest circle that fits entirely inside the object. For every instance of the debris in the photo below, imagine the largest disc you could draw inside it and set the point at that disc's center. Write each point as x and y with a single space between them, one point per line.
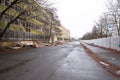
118 72
103 63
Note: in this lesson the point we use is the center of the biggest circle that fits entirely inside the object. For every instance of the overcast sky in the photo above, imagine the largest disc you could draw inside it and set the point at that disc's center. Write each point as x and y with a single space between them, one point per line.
79 16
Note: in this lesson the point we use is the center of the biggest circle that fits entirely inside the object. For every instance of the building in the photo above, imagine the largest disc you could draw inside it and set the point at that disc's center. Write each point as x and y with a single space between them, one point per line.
64 35
30 26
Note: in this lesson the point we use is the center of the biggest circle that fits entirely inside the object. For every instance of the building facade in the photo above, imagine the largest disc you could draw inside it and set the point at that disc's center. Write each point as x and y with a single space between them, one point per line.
31 26
64 35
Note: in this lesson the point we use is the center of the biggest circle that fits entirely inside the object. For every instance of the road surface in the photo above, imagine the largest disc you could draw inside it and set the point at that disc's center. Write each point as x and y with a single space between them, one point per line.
63 62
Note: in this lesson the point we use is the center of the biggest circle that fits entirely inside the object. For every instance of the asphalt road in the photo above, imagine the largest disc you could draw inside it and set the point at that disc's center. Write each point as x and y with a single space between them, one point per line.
63 62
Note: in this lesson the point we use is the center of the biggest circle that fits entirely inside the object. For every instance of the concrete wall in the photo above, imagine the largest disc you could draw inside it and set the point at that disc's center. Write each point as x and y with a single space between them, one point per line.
110 42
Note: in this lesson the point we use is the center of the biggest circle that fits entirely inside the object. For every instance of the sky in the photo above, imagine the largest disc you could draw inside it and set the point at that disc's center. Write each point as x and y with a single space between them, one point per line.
79 16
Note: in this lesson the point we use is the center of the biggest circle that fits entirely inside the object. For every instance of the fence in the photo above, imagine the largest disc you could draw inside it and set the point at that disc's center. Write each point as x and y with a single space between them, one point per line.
109 42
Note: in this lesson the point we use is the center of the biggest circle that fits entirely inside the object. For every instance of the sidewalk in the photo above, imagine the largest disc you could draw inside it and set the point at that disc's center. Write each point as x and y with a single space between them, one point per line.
106 57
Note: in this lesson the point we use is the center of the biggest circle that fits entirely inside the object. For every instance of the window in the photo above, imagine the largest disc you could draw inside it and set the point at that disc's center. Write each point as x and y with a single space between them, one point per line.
16 22
7 2
2 2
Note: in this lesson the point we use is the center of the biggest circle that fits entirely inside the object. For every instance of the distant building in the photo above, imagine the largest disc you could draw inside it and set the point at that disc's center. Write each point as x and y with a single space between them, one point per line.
65 34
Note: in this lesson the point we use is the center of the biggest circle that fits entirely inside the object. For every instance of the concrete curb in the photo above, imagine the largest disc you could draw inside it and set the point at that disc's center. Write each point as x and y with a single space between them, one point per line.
115 70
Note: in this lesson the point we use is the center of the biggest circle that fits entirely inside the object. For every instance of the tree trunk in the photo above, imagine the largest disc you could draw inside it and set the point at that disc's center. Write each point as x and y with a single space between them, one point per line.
3 12
8 25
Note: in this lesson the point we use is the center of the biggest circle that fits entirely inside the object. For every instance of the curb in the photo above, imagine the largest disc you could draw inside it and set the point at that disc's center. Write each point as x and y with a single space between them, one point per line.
115 70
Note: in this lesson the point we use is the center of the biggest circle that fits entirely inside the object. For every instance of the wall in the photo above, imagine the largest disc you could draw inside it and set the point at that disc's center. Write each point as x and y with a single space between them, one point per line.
109 42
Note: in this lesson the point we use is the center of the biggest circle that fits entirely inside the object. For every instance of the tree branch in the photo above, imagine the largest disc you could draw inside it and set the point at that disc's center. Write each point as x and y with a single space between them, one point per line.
3 12
8 25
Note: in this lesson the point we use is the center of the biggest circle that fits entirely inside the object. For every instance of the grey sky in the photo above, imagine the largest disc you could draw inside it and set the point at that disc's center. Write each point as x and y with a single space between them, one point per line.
78 16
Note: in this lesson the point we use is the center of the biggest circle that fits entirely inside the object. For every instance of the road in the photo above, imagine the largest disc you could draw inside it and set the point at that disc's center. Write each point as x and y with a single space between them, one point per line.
63 62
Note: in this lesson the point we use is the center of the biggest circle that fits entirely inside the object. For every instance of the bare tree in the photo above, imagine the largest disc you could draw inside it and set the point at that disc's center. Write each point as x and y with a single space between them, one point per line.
114 9
95 32
52 18
8 7
87 36
112 17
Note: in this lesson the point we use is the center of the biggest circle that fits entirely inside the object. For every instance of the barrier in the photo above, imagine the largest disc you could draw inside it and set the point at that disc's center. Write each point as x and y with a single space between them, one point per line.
109 42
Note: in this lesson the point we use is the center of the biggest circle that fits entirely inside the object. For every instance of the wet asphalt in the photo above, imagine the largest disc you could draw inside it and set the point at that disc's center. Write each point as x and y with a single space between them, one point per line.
105 54
63 62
